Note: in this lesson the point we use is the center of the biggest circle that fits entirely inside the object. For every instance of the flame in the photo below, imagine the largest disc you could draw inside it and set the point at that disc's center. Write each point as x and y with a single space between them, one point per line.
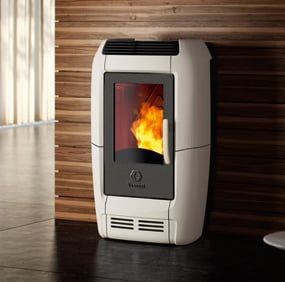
147 128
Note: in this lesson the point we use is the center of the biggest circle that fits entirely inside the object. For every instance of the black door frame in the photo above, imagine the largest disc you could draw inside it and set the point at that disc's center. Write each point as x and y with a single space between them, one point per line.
142 180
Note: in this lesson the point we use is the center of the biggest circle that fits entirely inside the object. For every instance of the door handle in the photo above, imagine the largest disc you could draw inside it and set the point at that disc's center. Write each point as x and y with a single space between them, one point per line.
165 140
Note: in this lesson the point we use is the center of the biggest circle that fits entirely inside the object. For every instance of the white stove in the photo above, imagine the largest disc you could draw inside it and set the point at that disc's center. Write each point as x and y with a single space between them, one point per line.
151 139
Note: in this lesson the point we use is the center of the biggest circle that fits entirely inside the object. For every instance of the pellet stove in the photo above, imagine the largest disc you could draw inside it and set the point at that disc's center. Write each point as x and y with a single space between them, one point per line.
151 139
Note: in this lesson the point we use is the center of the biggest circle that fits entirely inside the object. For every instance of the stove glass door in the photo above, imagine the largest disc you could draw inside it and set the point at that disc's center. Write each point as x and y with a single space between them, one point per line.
138 123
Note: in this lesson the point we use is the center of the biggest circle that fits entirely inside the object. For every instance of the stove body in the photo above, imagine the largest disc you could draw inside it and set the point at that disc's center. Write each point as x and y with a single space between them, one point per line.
153 192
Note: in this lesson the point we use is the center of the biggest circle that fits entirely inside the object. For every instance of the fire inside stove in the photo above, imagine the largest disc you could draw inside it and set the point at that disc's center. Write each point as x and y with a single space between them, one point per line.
147 129
138 123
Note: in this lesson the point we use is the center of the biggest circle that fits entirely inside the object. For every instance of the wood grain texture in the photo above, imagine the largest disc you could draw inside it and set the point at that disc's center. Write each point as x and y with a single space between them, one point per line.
72 104
247 40
126 3
249 143
71 154
75 209
73 134
73 116
246 223
73 167
74 189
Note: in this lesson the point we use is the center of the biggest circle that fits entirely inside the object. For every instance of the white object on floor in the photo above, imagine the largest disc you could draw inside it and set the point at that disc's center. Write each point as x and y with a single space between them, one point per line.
276 240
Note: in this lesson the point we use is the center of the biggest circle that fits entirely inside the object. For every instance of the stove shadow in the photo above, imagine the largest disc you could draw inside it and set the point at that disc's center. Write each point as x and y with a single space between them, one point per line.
82 255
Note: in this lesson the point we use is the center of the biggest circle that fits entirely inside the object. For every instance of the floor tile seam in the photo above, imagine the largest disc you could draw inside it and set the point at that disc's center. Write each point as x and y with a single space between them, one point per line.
59 272
28 269
27 224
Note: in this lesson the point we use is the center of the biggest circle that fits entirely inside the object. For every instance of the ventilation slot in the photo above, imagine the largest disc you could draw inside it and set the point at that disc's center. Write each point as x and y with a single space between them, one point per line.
122 223
150 225
132 47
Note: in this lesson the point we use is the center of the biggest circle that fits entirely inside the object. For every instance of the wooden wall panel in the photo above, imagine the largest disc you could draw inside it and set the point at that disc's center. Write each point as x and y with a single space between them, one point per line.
71 154
74 209
73 134
247 40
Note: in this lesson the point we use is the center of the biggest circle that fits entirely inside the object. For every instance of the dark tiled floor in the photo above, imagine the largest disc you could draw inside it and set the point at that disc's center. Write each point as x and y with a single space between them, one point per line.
70 251
33 247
